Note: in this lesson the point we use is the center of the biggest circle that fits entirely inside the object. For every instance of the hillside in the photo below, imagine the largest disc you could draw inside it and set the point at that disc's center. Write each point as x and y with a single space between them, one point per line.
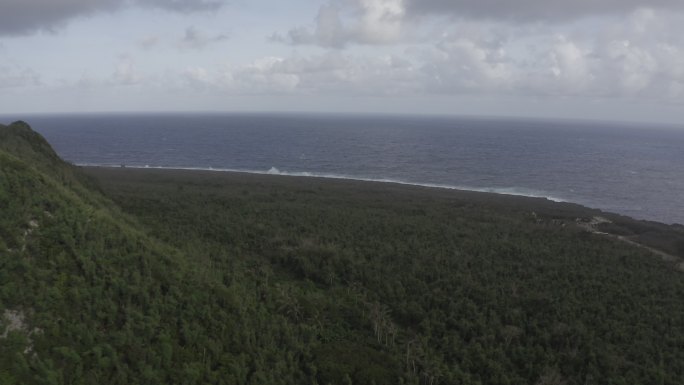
90 296
125 276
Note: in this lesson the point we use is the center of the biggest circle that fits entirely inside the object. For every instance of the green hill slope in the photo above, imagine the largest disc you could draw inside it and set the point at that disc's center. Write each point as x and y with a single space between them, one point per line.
158 277
86 297
20 140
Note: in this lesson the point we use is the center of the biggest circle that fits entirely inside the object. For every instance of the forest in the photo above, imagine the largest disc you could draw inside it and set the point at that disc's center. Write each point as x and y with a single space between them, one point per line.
141 276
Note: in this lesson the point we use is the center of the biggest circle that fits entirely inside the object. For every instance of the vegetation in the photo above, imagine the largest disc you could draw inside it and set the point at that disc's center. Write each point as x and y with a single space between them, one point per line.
124 276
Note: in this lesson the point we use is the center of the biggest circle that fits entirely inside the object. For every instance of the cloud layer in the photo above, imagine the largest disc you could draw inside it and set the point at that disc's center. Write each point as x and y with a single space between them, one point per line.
632 57
589 51
534 10
26 16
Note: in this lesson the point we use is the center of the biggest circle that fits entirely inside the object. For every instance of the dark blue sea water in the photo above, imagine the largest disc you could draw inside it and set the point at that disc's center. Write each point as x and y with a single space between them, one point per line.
637 170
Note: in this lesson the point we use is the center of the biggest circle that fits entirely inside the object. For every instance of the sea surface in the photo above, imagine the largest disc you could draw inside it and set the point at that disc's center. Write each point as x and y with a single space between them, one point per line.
632 169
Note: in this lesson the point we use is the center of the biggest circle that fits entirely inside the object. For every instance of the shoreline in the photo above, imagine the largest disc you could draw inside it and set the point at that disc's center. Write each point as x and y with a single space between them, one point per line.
511 191
659 238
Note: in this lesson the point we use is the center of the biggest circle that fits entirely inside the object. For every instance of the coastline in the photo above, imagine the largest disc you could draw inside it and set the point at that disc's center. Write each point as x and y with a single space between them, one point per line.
513 191
662 240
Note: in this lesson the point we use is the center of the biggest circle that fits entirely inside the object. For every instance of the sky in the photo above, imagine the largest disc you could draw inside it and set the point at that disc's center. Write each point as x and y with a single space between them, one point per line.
583 59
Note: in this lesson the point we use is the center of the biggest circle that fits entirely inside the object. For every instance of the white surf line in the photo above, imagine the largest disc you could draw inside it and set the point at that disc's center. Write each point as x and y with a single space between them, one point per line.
274 171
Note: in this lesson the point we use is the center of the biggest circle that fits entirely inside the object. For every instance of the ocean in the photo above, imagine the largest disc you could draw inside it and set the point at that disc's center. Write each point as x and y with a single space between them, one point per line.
631 169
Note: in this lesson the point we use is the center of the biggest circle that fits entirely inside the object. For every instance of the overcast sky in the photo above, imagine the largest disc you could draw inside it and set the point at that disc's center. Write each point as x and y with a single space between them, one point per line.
588 59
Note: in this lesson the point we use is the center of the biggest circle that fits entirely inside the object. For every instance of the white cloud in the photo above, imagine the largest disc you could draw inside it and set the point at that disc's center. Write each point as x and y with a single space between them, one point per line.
459 64
126 73
331 73
355 21
196 76
328 32
634 67
198 39
566 69
381 20
267 75
619 59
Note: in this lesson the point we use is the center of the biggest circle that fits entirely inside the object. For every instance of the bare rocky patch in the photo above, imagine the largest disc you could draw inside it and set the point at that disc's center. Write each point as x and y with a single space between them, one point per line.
15 320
